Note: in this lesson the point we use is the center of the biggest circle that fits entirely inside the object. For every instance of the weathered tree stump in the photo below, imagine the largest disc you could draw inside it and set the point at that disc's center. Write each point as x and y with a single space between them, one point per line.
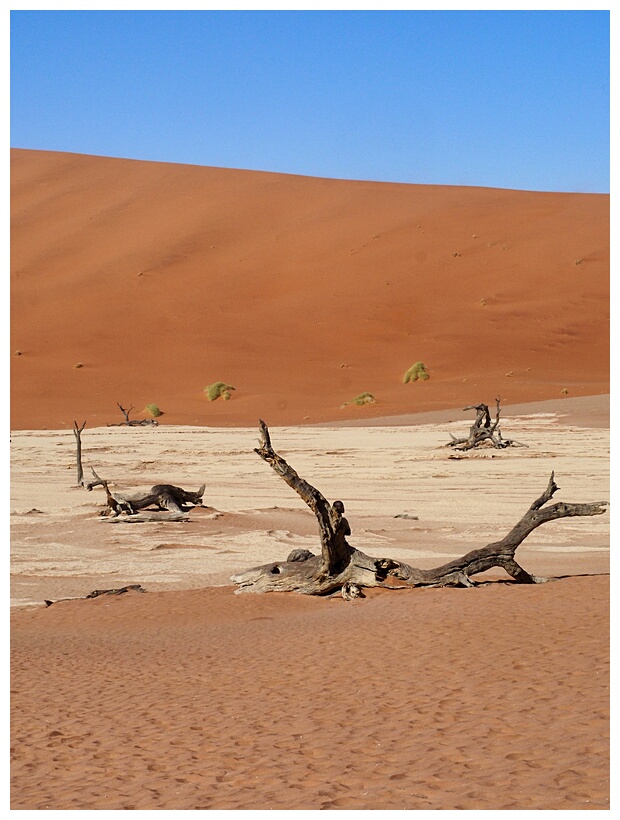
483 431
172 501
342 567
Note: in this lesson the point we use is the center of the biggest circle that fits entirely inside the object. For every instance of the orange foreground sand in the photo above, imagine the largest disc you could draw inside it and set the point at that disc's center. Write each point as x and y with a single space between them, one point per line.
493 698
302 293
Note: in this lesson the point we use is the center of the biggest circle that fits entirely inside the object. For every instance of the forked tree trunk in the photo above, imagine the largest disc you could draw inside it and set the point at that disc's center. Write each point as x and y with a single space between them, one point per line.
342 567
77 432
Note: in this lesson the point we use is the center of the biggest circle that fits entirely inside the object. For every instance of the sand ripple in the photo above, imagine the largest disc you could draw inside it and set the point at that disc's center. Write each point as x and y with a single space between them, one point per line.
494 698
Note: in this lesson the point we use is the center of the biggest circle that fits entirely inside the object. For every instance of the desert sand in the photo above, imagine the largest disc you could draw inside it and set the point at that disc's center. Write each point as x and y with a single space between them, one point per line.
494 698
191 696
302 293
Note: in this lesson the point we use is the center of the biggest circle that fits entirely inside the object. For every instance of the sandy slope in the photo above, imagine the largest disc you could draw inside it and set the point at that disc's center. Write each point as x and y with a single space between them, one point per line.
300 292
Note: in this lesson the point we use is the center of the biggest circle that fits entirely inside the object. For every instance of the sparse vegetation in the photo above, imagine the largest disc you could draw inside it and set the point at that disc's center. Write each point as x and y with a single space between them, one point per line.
363 398
153 410
415 372
217 389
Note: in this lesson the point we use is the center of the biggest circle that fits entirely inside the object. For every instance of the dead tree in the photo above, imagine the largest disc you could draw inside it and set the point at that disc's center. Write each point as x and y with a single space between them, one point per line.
132 422
483 430
77 432
342 567
166 498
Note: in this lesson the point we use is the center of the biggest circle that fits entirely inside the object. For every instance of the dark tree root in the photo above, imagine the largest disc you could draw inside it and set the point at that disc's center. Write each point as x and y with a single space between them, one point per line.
97 592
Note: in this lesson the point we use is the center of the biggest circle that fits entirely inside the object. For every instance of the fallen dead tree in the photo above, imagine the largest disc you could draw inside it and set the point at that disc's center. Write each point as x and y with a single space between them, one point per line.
170 501
341 567
132 422
483 431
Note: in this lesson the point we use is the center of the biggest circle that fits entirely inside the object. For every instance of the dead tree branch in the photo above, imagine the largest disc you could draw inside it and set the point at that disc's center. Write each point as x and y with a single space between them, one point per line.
97 592
342 567
77 432
98 482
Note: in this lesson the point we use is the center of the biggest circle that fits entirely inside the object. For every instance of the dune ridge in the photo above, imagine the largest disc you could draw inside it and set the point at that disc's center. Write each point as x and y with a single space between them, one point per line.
139 282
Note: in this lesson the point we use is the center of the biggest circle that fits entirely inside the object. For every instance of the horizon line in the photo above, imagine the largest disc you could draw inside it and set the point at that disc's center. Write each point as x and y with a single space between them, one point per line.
310 176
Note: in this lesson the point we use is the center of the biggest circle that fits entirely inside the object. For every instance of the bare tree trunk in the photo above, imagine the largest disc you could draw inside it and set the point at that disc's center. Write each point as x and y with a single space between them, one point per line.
335 551
77 432
125 412
342 567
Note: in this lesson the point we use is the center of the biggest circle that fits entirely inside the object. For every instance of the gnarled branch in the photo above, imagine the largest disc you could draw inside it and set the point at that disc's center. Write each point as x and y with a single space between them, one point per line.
483 430
333 527
165 497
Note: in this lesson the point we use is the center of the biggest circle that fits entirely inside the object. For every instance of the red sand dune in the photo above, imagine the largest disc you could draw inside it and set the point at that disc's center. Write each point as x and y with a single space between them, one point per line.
302 293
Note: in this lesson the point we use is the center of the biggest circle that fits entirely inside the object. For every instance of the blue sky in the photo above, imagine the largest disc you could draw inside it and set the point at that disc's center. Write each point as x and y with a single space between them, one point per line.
508 99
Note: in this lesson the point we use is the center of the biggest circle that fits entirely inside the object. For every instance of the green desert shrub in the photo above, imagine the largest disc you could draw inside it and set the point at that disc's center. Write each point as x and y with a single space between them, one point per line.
153 410
415 372
217 389
363 398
